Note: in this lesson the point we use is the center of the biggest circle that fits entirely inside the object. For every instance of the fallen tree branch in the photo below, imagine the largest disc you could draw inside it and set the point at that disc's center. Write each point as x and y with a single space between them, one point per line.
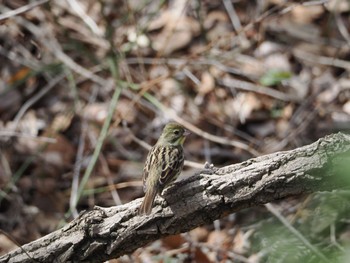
105 233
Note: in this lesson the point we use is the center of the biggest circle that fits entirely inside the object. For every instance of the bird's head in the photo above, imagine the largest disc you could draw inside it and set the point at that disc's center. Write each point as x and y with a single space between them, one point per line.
173 134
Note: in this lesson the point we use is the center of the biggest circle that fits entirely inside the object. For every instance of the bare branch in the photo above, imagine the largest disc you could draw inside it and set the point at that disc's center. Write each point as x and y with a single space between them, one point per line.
106 233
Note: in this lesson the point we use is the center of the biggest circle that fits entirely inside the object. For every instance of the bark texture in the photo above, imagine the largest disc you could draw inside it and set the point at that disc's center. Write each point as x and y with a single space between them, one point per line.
105 233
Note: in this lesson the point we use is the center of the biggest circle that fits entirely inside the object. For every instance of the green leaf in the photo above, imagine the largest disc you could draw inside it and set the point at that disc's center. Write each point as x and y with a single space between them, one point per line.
274 77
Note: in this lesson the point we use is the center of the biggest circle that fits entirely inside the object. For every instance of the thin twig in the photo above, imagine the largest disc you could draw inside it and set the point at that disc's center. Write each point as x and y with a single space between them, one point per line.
86 19
22 9
327 61
106 171
248 86
79 158
28 62
76 171
47 40
24 135
191 76
181 62
18 244
235 22
171 114
35 98
222 140
101 138
342 28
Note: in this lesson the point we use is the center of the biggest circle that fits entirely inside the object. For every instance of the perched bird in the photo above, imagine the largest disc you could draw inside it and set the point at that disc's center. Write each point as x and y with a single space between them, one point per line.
163 165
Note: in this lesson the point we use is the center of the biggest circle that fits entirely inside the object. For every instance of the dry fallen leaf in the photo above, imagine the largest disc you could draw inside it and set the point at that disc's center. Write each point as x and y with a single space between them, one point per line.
215 17
279 61
175 37
96 112
200 256
6 245
329 86
206 86
346 107
239 242
219 242
177 31
30 124
174 241
170 89
59 154
267 48
306 14
218 238
207 83
299 84
244 104
199 234
337 6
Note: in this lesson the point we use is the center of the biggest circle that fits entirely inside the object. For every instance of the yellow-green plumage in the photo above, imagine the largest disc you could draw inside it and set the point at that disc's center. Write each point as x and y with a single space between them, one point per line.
164 164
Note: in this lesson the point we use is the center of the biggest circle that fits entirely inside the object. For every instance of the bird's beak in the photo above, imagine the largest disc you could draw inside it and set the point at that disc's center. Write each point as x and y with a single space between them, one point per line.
186 133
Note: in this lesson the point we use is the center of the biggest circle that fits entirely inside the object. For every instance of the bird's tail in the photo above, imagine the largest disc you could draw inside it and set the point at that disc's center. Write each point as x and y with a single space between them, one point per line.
147 202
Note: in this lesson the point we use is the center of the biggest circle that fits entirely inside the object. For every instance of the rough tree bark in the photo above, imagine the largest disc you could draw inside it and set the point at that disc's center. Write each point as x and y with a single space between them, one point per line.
105 233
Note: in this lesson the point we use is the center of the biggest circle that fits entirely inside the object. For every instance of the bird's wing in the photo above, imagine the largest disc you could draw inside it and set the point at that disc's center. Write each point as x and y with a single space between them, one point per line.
150 162
164 163
172 162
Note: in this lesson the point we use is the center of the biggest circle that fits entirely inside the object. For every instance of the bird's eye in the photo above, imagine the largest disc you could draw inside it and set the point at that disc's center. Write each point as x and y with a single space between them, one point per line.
176 132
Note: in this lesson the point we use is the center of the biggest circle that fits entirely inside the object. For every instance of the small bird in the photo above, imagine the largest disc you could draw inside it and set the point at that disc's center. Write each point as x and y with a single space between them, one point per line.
164 164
